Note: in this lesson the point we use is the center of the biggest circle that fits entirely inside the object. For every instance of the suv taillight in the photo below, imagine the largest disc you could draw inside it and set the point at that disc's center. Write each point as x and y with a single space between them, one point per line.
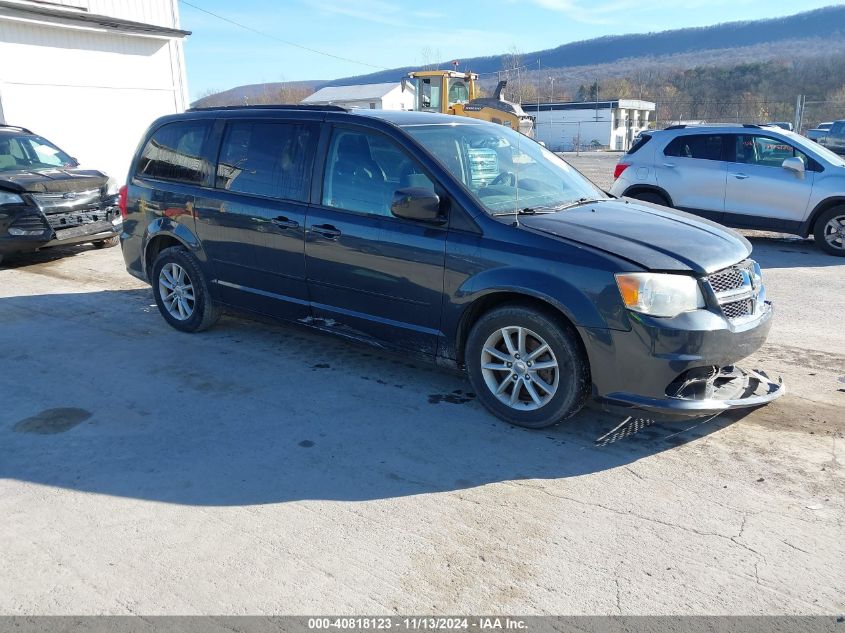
620 167
121 200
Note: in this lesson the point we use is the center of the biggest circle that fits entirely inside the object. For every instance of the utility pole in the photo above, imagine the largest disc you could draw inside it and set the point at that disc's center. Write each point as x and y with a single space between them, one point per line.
552 91
538 100
597 99
800 102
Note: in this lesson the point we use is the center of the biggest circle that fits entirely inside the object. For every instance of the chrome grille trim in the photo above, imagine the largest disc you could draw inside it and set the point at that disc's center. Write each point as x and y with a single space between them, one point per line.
738 290
59 202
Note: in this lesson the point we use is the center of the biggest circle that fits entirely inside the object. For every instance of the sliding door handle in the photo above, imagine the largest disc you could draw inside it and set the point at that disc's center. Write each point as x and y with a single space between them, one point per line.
326 230
285 223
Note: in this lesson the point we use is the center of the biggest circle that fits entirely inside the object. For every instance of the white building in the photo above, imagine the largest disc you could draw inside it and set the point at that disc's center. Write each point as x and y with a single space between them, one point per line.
389 96
609 124
90 75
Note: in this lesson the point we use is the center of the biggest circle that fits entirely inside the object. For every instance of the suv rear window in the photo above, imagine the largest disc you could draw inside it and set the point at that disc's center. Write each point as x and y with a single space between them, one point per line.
175 153
267 159
642 139
702 146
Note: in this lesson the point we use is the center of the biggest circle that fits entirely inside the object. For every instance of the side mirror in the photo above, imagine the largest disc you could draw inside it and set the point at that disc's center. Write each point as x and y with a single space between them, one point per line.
794 164
416 203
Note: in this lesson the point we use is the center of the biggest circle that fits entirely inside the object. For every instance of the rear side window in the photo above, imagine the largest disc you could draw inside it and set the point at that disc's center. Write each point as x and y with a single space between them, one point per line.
639 143
701 146
267 159
176 153
838 128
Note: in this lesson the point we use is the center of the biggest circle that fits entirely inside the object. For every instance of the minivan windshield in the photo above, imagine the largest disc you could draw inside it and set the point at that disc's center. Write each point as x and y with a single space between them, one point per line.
505 171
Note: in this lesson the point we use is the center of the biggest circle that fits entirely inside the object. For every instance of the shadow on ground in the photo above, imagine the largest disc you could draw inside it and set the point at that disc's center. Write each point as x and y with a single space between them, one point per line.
789 251
106 398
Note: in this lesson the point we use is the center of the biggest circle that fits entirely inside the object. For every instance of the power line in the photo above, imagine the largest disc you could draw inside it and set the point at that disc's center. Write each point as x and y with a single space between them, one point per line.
279 39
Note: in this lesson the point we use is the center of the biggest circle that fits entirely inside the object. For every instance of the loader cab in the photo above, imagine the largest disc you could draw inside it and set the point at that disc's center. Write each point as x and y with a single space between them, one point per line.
441 90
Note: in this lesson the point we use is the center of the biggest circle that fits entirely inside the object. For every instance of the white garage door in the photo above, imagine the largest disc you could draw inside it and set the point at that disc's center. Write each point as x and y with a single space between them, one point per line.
91 93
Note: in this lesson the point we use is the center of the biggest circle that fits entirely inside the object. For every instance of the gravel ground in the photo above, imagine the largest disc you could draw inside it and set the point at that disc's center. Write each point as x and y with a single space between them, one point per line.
260 469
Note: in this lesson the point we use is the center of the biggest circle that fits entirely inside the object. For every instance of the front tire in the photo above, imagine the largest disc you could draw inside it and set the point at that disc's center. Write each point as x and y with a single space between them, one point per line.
181 291
107 243
651 196
829 231
526 366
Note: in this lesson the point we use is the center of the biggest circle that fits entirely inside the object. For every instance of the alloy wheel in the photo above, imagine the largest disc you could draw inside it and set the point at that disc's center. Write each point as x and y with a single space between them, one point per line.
519 368
177 291
834 232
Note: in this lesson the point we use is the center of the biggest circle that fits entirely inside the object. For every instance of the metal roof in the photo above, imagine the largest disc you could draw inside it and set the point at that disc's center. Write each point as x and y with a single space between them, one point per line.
362 92
634 104
57 14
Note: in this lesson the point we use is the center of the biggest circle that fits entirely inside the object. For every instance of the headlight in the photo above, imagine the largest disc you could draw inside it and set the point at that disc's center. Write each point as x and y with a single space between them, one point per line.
10 198
112 186
659 294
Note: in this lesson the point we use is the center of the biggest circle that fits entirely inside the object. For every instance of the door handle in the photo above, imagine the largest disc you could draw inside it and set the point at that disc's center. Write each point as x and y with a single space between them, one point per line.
285 223
740 176
669 165
326 230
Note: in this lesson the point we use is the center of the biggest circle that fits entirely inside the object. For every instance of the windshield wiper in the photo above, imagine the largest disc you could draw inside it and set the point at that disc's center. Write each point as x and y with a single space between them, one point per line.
528 211
552 209
579 202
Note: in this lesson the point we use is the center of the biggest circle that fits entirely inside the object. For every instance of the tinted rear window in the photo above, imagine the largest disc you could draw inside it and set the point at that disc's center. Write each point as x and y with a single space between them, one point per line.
176 153
639 143
702 146
267 159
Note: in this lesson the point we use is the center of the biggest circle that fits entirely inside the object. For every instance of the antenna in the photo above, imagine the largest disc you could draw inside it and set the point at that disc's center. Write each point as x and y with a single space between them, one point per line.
516 180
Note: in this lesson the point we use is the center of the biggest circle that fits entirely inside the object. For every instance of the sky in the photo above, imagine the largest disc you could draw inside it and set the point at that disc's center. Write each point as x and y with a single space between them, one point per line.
372 35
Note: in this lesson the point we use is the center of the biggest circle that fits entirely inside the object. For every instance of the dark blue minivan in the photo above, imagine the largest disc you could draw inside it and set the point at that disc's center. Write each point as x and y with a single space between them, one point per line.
451 239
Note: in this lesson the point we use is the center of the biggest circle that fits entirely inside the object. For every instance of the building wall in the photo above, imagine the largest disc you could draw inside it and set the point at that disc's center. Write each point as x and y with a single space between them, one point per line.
93 93
396 99
607 127
158 12
561 130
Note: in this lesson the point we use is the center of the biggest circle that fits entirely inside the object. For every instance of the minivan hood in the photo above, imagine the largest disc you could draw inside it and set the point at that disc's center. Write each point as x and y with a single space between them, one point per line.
52 180
652 236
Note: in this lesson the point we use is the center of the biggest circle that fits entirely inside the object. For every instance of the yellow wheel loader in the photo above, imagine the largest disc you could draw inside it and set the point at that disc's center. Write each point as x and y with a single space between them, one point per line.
453 92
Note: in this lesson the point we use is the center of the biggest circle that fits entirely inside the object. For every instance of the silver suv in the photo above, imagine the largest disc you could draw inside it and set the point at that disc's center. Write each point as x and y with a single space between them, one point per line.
745 176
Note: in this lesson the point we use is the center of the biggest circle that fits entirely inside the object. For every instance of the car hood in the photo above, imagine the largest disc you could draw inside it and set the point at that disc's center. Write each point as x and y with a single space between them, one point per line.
52 180
652 236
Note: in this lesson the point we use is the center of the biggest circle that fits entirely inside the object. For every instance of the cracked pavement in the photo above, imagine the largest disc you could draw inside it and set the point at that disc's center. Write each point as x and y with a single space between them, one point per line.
258 469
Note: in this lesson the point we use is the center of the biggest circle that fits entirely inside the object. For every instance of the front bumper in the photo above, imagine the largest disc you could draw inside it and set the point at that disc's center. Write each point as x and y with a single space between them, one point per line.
49 235
681 366
728 388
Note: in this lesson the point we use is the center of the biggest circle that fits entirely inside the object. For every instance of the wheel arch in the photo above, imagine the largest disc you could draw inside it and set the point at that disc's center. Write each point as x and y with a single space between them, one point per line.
637 188
828 203
500 297
164 233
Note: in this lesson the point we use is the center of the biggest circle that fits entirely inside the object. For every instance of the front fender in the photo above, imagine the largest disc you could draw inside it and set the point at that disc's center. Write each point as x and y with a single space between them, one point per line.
594 302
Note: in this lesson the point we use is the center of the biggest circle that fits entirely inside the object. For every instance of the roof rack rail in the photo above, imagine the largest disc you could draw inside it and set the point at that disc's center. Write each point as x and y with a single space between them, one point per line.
16 127
274 106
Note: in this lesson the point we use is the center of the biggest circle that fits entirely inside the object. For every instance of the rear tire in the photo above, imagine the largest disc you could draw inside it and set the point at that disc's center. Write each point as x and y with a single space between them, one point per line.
829 231
181 291
527 366
651 196
108 243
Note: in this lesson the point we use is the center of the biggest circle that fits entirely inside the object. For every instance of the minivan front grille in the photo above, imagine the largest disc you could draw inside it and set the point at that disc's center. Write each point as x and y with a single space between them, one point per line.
738 289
